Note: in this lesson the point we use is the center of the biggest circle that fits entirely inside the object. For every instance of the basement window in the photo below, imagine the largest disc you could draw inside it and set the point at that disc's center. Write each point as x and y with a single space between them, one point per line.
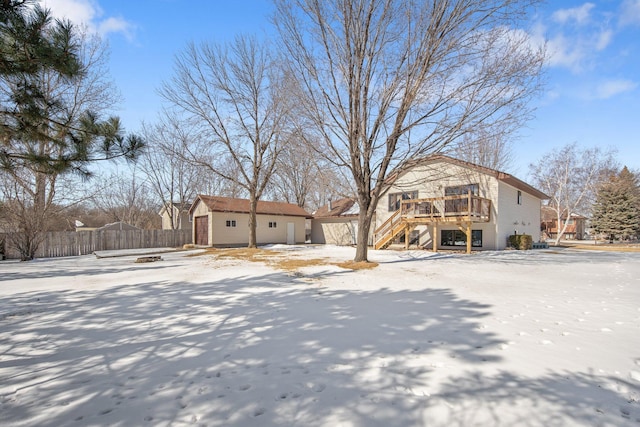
458 238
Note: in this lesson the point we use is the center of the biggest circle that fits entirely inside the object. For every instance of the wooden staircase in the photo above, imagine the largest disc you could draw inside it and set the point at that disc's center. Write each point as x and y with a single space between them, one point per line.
393 227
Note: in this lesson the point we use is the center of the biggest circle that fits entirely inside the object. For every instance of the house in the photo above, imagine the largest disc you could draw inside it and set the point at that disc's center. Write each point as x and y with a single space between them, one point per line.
224 221
175 216
576 226
443 203
336 223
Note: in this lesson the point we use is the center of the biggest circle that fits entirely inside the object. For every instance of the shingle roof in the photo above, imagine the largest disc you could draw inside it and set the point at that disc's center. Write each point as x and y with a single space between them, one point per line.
340 208
229 204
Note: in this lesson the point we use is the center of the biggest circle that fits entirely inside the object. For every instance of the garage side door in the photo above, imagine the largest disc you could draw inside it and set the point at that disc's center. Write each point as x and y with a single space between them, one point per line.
202 230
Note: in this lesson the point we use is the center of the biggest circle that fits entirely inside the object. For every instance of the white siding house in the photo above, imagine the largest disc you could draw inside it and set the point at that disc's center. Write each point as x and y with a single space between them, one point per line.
175 216
440 199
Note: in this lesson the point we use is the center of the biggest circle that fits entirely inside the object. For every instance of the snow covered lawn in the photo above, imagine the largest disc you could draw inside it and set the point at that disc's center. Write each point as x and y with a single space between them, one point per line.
536 338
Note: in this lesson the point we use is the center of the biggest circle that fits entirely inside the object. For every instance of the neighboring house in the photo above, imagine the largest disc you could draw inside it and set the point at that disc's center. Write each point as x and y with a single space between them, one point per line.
178 213
117 226
336 223
224 221
576 227
445 203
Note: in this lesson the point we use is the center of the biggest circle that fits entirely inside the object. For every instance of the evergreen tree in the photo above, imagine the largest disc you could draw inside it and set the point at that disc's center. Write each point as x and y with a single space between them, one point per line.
49 117
616 211
33 48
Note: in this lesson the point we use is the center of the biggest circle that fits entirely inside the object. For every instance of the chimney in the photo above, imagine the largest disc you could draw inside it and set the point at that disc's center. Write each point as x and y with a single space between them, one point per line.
329 205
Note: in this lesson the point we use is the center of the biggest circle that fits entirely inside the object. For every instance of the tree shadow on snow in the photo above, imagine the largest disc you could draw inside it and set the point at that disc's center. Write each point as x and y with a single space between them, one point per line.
269 350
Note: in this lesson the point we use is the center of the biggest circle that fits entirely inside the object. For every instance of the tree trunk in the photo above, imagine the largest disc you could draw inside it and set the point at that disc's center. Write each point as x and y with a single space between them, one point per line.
253 205
362 243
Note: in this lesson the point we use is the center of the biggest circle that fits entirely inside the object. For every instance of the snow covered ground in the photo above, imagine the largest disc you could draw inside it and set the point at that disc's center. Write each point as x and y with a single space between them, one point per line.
536 338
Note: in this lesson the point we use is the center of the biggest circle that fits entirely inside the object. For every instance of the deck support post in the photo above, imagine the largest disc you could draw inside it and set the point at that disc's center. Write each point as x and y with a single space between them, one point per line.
468 233
406 237
434 237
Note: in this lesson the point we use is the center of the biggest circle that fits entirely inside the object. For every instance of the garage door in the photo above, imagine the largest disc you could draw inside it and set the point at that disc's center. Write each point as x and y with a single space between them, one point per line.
202 230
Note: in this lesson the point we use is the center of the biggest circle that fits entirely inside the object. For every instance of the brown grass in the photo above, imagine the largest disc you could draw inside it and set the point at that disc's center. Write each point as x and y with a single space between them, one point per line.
280 259
607 247
361 265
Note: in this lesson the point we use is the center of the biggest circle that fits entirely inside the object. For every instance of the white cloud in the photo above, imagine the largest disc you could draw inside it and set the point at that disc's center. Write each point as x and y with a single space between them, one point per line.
612 88
630 12
604 39
566 53
115 25
578 14
88 13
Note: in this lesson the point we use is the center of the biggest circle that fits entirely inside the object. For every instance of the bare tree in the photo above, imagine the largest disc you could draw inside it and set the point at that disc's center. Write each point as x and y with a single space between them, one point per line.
301 175
174 180
570 176
234 93
481 147
383 81
55 152
127 197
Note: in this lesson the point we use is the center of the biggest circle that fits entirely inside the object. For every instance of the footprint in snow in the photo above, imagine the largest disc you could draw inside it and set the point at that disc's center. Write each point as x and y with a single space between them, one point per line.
259 412
244 387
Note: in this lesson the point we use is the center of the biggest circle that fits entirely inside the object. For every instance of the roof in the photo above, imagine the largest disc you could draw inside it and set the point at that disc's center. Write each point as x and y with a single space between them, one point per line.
549 214
180 206
229 204
117 226
500 176
340 208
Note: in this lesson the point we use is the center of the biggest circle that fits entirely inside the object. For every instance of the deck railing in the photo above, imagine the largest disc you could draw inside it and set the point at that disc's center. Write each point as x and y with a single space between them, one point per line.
471 208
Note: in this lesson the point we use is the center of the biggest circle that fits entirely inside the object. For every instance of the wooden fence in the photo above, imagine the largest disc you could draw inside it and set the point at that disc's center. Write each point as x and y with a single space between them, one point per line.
72 243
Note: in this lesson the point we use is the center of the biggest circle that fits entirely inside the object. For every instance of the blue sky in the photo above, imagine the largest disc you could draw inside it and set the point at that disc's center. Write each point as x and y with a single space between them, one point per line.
591 96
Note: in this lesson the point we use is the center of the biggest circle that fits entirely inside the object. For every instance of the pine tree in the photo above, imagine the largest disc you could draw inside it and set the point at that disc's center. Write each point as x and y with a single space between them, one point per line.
33 48
46 131
616 211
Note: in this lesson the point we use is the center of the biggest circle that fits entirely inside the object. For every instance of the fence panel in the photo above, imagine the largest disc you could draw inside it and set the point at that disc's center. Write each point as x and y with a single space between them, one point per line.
72 243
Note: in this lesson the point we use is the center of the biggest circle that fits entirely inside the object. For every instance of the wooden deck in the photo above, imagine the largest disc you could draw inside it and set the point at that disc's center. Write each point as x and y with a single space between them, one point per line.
461 210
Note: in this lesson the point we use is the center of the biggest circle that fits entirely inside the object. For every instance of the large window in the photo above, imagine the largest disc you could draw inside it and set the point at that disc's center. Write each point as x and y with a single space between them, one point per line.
458 238
461 190
396 198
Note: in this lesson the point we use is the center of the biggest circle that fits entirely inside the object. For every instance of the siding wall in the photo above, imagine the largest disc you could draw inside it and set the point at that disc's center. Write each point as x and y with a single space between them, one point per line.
221 235
515 218
334 231
239 235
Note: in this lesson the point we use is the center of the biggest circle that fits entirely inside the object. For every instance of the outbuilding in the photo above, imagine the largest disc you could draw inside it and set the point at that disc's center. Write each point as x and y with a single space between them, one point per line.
224 221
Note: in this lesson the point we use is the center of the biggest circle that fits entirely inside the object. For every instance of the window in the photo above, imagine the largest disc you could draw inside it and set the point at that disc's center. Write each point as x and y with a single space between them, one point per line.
458 238
396 198
272 224
519 197
461 190
231 223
